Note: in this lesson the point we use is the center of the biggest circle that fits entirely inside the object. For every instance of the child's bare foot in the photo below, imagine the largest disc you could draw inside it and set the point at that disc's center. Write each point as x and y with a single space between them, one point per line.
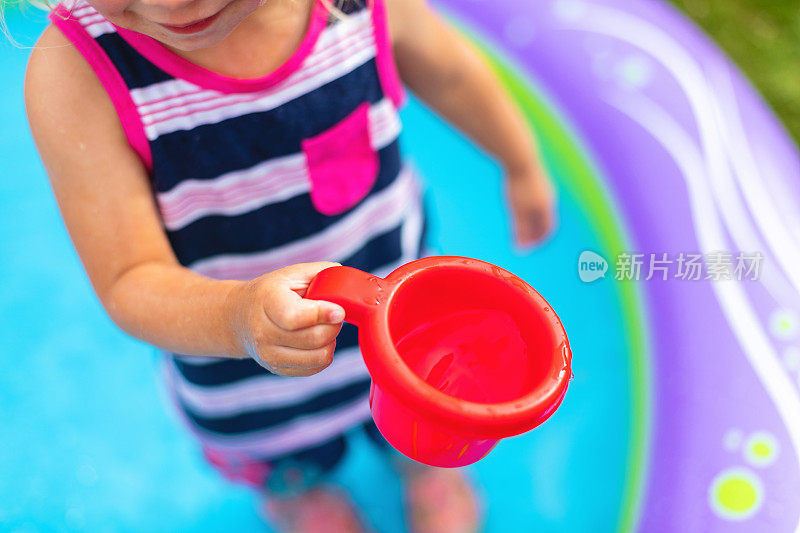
440 500
319 510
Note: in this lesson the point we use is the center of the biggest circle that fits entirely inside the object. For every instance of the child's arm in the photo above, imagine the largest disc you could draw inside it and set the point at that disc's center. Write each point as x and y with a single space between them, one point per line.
446 73
105 198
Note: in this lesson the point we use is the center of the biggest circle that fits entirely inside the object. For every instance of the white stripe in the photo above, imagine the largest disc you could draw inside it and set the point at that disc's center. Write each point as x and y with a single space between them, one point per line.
82 12
235 193
196 360
191 93
301 433
267 183
96 30
268 391
74 5
90 18
342 29
751 181
385 125
172 88
411 232
376 214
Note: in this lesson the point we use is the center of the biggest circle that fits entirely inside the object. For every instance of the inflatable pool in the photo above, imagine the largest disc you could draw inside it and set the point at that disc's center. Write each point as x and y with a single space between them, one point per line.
684 412
667 150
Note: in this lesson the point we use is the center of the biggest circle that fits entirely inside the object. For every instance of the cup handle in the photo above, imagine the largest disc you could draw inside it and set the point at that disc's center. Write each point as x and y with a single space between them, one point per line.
355 290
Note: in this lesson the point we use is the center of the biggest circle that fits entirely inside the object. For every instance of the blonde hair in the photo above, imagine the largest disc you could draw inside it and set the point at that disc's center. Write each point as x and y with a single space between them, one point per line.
22 5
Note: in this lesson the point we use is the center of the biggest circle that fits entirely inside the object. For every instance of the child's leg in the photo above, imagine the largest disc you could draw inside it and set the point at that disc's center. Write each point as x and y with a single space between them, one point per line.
437 500
321 509
296 498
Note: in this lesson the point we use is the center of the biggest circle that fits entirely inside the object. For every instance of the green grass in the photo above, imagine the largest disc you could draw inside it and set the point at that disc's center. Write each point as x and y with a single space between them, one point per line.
763 38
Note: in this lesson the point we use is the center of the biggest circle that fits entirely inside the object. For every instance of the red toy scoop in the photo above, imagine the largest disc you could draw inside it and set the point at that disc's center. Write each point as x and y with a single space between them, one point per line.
461 353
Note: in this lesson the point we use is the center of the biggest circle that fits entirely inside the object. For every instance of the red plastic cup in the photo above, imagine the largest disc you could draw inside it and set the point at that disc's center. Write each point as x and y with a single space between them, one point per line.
461 353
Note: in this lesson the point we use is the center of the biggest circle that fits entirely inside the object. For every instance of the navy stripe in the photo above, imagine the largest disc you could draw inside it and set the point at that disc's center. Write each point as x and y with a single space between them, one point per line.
350 7
221 372
321 458
275 416
426 229
270 226
383 249
195 154
136 71
374 434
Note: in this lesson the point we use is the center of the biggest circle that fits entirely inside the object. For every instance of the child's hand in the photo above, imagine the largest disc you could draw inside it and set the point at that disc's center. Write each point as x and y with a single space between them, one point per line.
285 333
532 200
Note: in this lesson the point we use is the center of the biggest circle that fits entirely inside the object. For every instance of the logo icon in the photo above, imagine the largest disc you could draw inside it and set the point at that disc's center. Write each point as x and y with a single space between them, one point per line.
591 266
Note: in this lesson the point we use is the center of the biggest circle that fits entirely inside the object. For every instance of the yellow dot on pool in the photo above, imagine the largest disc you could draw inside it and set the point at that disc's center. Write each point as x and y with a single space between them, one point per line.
761 449
736 494
785 324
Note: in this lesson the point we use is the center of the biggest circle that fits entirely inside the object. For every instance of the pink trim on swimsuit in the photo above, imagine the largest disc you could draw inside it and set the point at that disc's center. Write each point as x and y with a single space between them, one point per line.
387 68
110 78
181 68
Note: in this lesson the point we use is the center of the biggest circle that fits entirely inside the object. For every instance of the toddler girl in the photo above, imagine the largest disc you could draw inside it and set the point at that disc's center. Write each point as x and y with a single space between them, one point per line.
210 157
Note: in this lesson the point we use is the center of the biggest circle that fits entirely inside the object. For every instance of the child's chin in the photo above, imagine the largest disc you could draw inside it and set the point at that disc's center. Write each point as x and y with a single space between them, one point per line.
192 43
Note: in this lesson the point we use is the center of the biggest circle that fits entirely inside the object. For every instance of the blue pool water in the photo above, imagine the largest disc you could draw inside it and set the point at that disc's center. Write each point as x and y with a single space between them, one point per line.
87 438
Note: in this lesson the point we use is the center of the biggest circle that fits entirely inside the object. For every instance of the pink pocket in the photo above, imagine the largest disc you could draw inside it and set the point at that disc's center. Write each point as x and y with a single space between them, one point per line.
342 165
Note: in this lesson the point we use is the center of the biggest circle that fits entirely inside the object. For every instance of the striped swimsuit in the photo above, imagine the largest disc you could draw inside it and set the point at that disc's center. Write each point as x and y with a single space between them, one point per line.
254 175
